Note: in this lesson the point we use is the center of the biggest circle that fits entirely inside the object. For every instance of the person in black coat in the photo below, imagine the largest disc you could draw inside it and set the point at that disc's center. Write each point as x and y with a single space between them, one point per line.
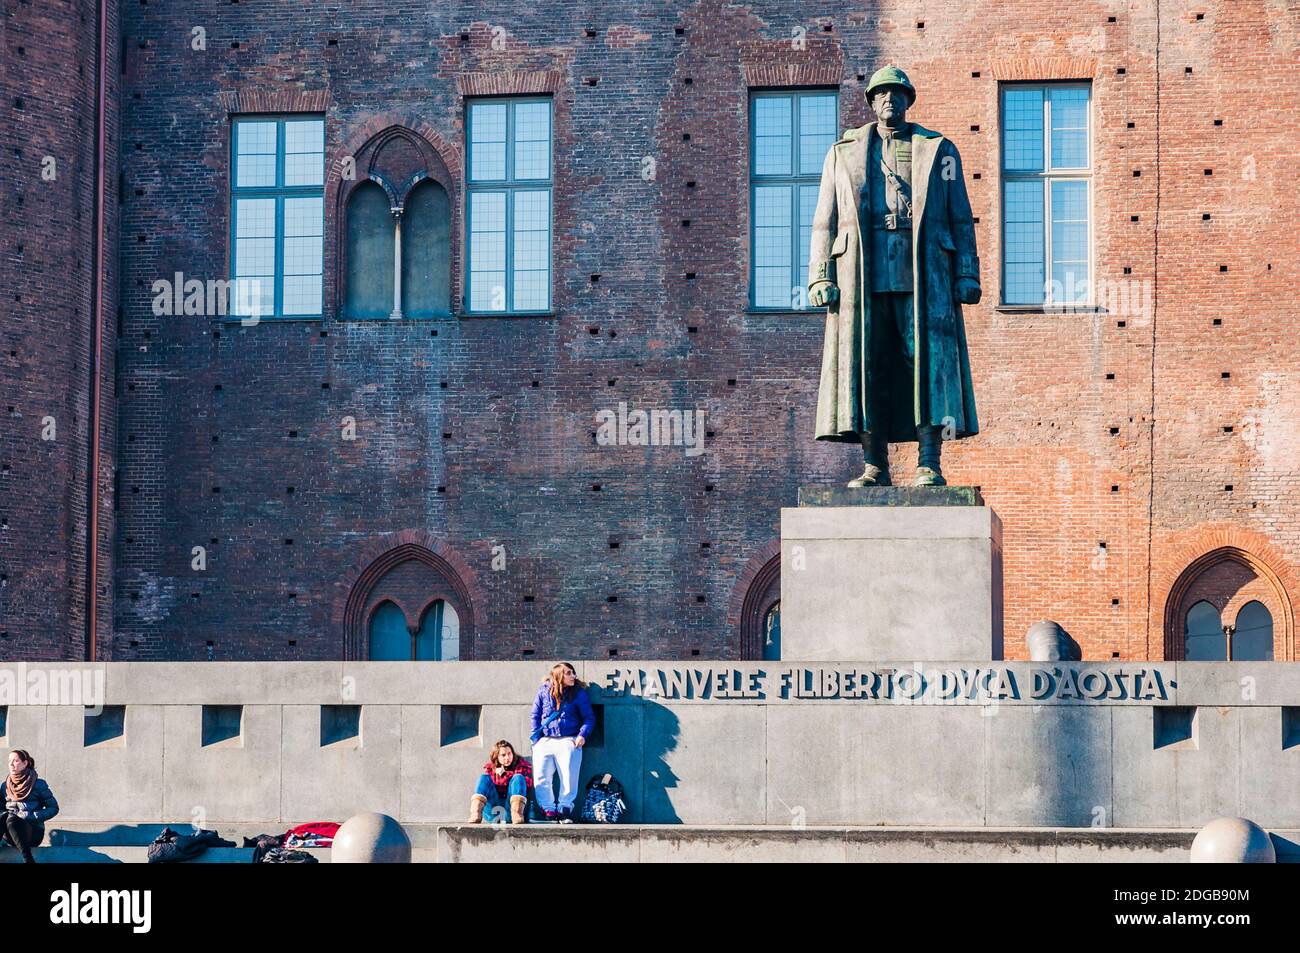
28 802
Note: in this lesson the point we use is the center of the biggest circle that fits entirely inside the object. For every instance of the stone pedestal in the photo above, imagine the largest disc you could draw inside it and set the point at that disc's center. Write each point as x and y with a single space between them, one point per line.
891 573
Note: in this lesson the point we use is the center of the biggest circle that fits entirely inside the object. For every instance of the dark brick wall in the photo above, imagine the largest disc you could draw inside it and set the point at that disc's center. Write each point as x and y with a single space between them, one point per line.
47 127
479 432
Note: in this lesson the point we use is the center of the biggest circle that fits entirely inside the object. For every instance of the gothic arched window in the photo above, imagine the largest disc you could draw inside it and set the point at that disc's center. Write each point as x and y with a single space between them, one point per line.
1252 634
370 253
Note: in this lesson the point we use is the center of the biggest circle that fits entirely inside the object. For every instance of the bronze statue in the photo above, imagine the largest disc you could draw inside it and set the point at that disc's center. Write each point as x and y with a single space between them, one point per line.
893 258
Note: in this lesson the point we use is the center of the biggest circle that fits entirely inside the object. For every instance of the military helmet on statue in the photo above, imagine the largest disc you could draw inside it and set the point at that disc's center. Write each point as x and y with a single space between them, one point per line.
891 76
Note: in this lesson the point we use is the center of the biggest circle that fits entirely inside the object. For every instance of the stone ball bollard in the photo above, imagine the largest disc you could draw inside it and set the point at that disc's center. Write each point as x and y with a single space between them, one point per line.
1233 840
1048 641
371 839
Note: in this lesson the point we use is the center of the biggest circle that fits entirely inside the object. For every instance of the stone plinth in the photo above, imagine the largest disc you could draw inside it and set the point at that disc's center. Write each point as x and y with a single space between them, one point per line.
891 572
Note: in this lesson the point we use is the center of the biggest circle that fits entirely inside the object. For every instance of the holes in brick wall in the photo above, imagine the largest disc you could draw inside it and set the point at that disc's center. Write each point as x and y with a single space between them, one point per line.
105 728
288 541
686 137
1218 122
679 30
1114 488
340 726
1133 218
537 383
692 329
700 599
1121 71
920 24
223 725
1114 431
708 488
590 80
1225 375
1209 172
1187 71
459 725
1227 488
595 278
977 175
688 81
1110 19
1131 125
1137 173
593 331
442 384
613 542
1228 429
589 33
611 598
975 74
333 41
1114 602
1205 216
1222 269
293 433
595 488
289 490
1128 270
731 382
686 223
530 598
441 489
1110 376
1200 16
1174 728
1121 324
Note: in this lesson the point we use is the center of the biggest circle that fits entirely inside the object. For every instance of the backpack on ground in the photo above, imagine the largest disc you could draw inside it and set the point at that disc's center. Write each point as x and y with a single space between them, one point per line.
604 803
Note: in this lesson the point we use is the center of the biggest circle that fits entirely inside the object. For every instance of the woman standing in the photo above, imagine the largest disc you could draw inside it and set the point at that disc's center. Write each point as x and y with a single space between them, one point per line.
562 720
28 805
506 775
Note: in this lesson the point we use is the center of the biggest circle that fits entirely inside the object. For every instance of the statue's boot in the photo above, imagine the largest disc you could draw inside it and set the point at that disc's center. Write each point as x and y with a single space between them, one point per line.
875 454
929 442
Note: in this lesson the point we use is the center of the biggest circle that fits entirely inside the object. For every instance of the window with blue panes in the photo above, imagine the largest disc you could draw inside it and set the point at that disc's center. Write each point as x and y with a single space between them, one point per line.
1046 199
508 193
278 214
789 135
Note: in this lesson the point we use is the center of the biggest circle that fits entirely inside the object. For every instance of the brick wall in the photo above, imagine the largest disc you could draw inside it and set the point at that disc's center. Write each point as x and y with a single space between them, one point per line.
479 432
47 268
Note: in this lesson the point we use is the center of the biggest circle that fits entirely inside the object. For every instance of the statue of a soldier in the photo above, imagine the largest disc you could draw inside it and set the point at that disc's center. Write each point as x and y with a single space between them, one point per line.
893 257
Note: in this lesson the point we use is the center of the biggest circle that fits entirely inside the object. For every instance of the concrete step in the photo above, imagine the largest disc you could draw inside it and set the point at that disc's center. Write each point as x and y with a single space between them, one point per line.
462 843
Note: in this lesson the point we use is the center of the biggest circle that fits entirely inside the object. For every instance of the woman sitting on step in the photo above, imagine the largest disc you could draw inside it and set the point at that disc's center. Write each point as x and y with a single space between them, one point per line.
506 775
29 803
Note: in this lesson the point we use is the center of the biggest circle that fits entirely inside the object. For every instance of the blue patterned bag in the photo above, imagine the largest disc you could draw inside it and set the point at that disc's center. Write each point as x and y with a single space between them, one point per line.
604 803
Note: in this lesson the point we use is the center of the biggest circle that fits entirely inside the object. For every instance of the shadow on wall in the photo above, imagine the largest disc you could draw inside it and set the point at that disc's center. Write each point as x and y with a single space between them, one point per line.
634 739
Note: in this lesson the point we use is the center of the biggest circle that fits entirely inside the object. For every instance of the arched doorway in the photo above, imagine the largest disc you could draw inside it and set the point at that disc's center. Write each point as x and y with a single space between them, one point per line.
410 602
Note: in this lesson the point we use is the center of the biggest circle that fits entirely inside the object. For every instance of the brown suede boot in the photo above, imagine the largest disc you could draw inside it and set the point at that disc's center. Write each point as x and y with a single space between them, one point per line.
518 806
476 804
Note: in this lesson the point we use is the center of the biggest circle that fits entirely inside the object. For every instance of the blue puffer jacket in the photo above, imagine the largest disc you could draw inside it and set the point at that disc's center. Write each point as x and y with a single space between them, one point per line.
573 705
40 805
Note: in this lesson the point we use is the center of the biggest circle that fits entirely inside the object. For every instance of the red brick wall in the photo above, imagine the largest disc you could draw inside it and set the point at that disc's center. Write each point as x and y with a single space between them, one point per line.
479 432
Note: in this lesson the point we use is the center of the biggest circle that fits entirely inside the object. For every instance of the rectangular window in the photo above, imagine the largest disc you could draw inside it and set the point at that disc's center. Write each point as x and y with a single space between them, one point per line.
1046 201
509 206
278 216
790 133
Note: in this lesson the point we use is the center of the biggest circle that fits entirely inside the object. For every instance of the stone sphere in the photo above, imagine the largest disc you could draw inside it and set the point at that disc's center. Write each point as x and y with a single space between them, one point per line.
1047 641
1232 840
371 839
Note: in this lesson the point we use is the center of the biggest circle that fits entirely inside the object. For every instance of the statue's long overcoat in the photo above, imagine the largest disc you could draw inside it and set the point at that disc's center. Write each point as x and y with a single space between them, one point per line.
943 247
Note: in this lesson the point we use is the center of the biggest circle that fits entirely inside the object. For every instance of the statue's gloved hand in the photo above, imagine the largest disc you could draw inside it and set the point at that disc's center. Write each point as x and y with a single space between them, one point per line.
968 290
822 294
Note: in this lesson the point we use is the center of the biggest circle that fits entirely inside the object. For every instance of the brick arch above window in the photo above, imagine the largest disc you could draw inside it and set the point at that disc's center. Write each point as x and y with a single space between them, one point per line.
1227 566
757 588
412 570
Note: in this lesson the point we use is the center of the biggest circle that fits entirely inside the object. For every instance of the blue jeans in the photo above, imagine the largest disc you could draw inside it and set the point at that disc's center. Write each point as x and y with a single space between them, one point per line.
517 787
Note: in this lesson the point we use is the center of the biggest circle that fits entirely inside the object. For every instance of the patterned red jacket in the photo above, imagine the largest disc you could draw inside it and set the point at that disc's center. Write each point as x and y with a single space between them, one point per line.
502 781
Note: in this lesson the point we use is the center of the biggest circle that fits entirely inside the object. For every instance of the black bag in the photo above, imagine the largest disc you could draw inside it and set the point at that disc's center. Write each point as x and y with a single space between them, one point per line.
604 803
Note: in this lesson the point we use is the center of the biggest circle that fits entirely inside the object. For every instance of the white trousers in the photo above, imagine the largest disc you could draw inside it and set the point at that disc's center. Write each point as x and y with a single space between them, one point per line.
551 755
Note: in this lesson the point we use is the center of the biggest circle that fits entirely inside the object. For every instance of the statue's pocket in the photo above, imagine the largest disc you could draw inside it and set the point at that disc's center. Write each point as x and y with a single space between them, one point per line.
841 244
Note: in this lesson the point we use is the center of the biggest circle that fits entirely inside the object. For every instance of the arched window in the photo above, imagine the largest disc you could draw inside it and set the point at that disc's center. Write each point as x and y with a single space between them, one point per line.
370 253
1252 634
396 229
1203 637
772 633
439 637
390 640
426 252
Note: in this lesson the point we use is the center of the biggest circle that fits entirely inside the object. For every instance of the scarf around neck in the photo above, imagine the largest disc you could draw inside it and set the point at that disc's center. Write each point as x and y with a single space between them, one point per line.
21 785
